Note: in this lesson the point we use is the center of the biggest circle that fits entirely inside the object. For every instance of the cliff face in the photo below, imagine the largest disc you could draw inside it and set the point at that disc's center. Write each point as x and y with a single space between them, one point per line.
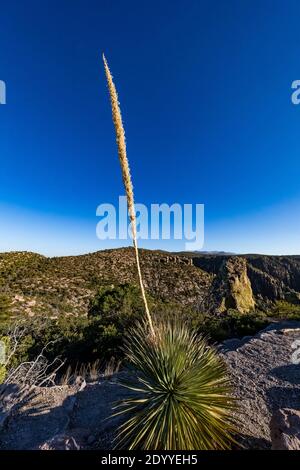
275 278
239 293
244 281
231 288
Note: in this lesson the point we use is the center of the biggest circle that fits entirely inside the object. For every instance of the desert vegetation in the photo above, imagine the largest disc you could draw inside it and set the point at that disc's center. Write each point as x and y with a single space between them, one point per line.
5 306
113 311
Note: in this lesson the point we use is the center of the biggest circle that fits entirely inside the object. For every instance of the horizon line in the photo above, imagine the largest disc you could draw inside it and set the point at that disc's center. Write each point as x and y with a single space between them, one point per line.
180 252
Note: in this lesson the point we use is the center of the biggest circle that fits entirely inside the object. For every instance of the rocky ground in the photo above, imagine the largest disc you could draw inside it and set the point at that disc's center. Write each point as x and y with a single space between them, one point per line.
264 375
265 378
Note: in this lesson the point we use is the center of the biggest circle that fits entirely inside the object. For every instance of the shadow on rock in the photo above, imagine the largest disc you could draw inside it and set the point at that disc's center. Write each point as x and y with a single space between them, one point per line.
283 397
61 418
289 373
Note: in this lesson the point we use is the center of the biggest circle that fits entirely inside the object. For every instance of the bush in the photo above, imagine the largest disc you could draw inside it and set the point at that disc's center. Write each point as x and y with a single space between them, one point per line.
121 304
75 340
5 306
285 310
180 392
232 324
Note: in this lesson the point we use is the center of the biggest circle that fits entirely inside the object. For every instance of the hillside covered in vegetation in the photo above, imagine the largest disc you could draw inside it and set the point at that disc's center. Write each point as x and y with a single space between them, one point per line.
83 305
51 287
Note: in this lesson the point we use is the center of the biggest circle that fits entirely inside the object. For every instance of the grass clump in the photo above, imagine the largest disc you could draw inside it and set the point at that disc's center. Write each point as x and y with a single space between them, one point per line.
284 310
180 392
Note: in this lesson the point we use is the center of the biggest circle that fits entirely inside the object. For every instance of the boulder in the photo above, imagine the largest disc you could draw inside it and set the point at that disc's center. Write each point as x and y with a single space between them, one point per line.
285 429
60 442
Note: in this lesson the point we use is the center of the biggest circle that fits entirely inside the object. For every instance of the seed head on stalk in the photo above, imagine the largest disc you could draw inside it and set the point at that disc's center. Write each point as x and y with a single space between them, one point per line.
121 143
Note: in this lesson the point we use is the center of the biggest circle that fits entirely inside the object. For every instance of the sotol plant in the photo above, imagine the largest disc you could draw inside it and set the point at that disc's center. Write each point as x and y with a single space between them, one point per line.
179 389
180 393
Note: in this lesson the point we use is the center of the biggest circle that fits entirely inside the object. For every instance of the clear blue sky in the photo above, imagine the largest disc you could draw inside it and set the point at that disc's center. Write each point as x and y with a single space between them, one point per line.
205 92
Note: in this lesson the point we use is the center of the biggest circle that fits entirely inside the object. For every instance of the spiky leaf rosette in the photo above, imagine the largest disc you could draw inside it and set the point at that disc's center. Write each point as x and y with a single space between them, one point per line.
180 394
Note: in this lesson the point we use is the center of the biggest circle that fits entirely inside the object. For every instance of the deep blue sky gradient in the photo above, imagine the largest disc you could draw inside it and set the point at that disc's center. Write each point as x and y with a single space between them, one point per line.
205 93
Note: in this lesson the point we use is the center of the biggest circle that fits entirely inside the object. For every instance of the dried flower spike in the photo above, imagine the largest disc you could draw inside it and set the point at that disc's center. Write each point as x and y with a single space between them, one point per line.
121 143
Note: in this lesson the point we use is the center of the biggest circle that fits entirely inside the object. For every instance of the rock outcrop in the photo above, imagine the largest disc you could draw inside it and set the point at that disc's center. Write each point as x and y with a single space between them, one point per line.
271 278
285 429
231 288
265 379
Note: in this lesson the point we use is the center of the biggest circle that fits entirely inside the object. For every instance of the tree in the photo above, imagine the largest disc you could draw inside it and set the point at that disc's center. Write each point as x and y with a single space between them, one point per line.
120 305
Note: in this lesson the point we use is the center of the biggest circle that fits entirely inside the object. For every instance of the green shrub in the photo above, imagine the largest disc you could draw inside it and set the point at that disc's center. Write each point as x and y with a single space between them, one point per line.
179 392
122 304
5 307
76 340
232 324
285 311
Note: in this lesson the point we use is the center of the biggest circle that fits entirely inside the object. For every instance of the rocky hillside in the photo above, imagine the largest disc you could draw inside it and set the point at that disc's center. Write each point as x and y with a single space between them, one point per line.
38 285
65 285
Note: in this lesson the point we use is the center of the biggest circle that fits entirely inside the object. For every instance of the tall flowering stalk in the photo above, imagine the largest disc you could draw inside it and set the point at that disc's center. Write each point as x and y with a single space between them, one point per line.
180 394
121 143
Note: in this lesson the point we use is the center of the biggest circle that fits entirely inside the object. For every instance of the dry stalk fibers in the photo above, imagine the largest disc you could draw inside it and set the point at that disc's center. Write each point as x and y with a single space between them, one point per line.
121 143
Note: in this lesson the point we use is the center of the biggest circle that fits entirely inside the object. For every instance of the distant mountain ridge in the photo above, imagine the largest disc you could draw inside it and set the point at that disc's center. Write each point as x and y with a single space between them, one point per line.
220 253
